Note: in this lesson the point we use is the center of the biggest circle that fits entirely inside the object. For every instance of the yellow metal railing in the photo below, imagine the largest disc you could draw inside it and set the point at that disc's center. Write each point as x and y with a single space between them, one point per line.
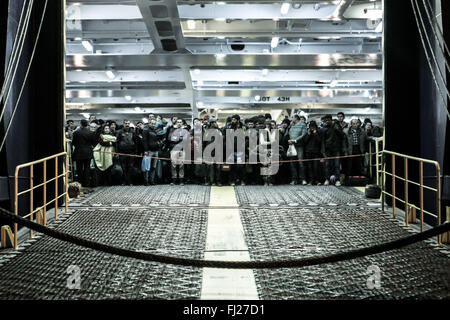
43 208
377 155
394 195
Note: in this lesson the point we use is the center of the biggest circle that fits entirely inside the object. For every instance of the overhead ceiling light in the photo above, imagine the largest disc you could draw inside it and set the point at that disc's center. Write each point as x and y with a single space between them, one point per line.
257 98
285 8
220 19
276 19
200 104
373 13
200 82
137 109
274 42
88 46
191 24
221 3
333 83
265 72
128 98
220 55
111 74
197 71
86 115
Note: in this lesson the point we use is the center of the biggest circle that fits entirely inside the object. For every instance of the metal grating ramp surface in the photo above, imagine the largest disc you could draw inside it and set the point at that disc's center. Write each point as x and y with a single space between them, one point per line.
298 195
39 269
414 272
152 196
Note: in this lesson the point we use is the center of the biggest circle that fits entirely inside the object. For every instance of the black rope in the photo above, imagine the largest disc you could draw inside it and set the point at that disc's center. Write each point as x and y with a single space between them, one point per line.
358 253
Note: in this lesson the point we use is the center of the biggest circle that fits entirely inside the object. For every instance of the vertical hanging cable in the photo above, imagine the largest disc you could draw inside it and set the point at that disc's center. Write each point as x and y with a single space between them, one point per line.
15 55
428 58
26 76
436 37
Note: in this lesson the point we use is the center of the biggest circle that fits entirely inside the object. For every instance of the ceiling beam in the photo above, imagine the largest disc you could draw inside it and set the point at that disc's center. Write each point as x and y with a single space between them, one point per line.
97 62
270 28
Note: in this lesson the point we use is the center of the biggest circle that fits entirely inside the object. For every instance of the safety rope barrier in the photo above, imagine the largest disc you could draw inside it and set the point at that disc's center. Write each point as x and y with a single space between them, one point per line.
349 255
238 163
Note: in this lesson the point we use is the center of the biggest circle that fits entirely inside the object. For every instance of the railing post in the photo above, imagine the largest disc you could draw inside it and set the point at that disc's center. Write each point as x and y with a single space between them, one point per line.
383 168
31 196
16 205
393 185
45 192
56 188
377 162
421 196
406 192
370 161
67 183
438 171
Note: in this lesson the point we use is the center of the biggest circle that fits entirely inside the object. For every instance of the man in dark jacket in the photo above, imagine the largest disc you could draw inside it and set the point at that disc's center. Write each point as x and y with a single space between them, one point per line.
127 144
83 142
355 145
313 148
332 146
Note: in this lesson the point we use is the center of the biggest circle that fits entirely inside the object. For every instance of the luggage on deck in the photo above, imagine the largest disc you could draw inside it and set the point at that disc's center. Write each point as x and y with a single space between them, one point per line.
357 181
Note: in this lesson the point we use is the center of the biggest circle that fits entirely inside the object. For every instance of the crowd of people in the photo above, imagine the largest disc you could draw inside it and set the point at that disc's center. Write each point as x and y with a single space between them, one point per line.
106 153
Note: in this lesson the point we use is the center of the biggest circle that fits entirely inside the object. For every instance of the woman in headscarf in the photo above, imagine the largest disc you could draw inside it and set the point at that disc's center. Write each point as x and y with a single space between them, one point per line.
103 154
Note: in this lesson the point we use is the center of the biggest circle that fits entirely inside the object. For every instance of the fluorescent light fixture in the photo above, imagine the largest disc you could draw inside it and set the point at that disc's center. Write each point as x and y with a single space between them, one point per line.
274 42
373 14
191 24
86 115
110 74
128 98
333 83
200 104
197 71
285 8
257 98
265 72
220 55
87 45
221 3
137 109
219 19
